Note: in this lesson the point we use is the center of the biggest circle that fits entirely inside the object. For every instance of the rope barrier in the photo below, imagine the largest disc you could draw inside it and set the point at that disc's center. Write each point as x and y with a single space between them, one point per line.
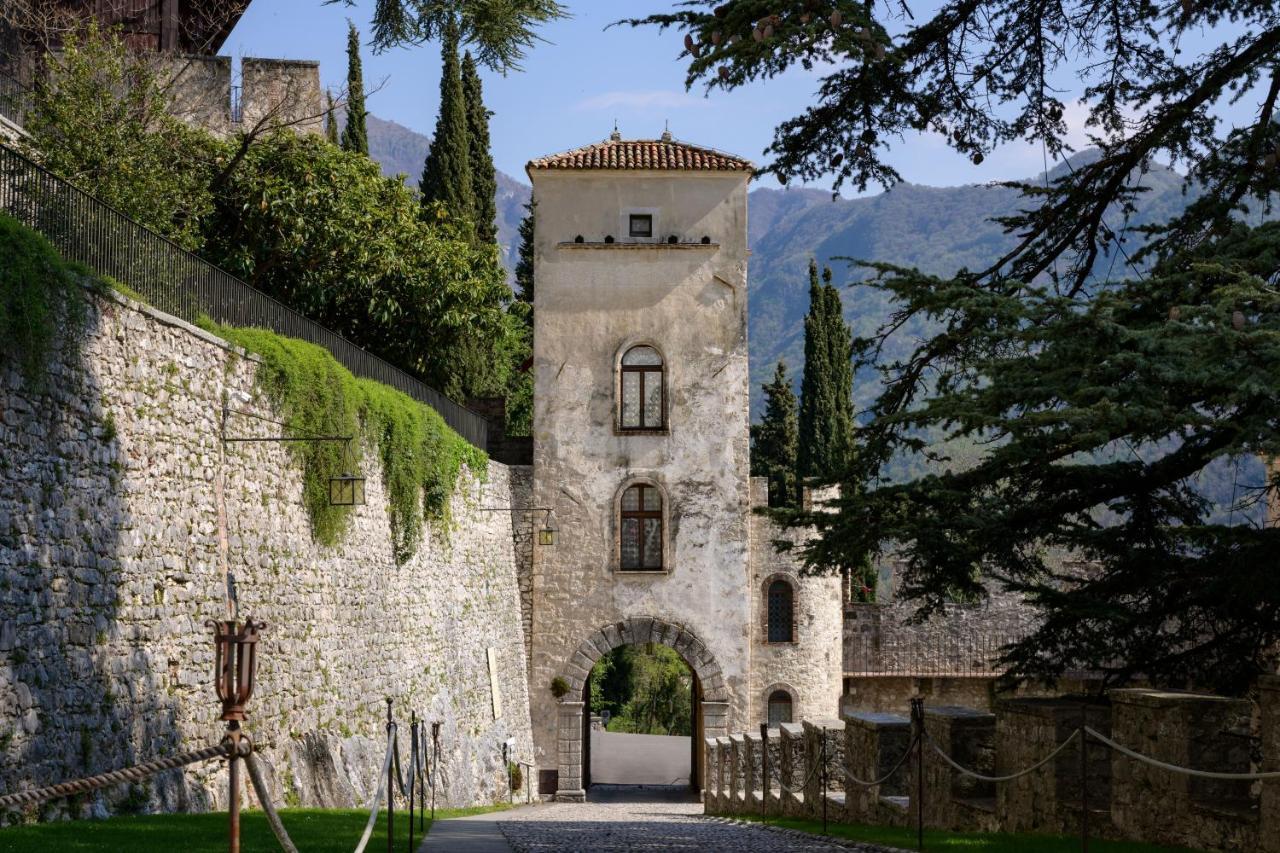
264 797
377 798
115 777
1173 768
803 785
1034 767
885 778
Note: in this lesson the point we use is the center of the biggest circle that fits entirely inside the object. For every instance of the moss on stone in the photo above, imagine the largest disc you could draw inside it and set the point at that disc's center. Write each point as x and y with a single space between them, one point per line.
421 456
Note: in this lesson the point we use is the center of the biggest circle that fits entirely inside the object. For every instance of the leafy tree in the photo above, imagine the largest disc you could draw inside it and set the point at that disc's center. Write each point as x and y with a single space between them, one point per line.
524 261
100 119
646 689
484 180
775 440
355 135
446 175
500 30
826 388
323 231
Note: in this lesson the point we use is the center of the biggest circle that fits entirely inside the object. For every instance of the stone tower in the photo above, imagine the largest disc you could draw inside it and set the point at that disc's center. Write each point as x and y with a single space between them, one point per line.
640 427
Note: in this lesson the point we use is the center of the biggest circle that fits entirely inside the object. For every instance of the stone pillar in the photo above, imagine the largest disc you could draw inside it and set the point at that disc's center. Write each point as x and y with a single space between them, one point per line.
1269 704
737 785
724 799
715 719
569 753
951 799
711 779
1048 800
773 749
792 769
874 743
814 731
1193 730
753 790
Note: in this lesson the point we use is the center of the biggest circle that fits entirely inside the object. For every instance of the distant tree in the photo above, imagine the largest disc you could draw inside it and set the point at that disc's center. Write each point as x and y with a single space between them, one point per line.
446 175
484 178
355 136
330 120
826 389
499 30
775 440
524 259
646 689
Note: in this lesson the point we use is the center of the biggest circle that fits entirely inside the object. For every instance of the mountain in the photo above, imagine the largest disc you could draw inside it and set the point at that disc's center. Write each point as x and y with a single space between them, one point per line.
937 229
401 151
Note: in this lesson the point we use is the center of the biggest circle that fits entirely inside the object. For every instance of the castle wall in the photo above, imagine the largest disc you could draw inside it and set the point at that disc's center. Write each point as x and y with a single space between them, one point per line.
811 666
272 93
109 566
593 302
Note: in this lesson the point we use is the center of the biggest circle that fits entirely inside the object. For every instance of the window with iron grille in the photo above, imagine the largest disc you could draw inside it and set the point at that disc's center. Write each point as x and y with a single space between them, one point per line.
643 396
641 529
780 615
779 708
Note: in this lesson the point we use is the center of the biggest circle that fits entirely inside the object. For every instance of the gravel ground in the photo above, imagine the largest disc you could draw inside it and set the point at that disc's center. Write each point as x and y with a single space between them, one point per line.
620 820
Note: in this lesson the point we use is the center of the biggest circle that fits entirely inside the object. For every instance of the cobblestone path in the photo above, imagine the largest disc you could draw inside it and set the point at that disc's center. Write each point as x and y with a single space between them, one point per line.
620 821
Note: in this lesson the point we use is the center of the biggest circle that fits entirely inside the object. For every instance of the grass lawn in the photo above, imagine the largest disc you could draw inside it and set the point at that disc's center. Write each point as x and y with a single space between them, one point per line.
962 842
312 830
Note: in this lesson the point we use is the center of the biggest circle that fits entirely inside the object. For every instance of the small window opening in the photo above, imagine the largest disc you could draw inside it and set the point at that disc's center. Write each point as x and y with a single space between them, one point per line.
779 708
641 225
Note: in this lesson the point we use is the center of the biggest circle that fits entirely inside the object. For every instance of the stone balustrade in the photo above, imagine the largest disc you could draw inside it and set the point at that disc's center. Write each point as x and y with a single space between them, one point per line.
1127 799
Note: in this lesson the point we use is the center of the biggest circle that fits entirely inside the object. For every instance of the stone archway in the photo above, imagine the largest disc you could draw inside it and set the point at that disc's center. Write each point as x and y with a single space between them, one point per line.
637 630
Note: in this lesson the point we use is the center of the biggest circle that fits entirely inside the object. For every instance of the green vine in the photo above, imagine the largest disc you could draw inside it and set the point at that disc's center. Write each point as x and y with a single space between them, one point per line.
39 291
421 456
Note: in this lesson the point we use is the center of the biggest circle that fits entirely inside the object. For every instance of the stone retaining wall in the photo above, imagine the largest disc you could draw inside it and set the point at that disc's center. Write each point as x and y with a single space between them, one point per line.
1127 799
116 481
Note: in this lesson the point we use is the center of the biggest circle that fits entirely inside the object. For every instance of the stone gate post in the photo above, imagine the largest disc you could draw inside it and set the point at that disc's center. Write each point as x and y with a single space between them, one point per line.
569 752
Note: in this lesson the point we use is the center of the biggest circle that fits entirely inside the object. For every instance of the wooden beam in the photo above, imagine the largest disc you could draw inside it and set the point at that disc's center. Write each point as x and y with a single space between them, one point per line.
169 25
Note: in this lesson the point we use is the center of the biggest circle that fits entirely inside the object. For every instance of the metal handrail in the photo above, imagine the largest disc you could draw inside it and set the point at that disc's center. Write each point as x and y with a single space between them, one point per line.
89 231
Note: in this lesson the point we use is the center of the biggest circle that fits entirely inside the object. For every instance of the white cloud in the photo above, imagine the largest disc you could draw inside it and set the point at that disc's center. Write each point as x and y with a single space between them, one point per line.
641 101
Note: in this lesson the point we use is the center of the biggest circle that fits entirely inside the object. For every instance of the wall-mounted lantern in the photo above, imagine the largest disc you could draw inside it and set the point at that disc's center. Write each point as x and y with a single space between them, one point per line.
547 534
235 663
346 489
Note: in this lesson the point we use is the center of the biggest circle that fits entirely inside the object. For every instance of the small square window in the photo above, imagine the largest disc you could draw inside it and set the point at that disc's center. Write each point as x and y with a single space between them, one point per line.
641 225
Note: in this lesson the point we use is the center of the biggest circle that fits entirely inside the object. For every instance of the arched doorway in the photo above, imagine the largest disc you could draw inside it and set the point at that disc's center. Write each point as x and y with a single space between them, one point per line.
710 701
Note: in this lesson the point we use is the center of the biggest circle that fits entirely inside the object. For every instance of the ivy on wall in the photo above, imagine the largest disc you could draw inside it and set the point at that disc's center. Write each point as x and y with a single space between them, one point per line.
38 292
421 456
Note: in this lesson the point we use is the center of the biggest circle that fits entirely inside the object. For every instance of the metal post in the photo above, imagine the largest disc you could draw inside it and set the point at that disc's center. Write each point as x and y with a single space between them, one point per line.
917 714
413 769
435 752
391 782
233 802
764 769
824 780
506 768
1084 781
424 765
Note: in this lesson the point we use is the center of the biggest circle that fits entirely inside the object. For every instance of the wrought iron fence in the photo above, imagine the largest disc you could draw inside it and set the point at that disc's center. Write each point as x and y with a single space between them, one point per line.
175 281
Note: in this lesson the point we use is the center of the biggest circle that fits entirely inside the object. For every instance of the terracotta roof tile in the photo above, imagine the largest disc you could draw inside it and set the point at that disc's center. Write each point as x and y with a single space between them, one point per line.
644 154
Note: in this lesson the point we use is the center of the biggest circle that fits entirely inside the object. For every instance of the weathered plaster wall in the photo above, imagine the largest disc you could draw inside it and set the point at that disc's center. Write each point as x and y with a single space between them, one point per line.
810 667
109 565
592 303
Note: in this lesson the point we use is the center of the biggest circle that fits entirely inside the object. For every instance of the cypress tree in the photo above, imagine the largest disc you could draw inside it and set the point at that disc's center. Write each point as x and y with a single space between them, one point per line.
826 405
355 136
446 175
775 440
484 181
524 262
330 120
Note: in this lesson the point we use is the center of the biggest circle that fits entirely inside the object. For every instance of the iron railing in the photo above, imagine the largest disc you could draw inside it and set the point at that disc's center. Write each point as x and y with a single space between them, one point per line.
86 230
14 98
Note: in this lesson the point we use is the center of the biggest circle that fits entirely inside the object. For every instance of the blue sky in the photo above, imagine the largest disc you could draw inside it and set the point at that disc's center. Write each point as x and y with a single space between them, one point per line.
582 78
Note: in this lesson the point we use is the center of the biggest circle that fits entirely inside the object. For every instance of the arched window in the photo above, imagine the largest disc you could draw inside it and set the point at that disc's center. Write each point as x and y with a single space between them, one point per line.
779 707
642 389
641 529
781 622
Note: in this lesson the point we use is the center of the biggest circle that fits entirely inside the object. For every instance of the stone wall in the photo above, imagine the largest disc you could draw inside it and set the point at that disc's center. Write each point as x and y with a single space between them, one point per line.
120 502
1034 790
272 92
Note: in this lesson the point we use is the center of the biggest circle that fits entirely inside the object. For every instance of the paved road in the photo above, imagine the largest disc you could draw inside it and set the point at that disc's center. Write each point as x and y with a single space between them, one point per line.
622 819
